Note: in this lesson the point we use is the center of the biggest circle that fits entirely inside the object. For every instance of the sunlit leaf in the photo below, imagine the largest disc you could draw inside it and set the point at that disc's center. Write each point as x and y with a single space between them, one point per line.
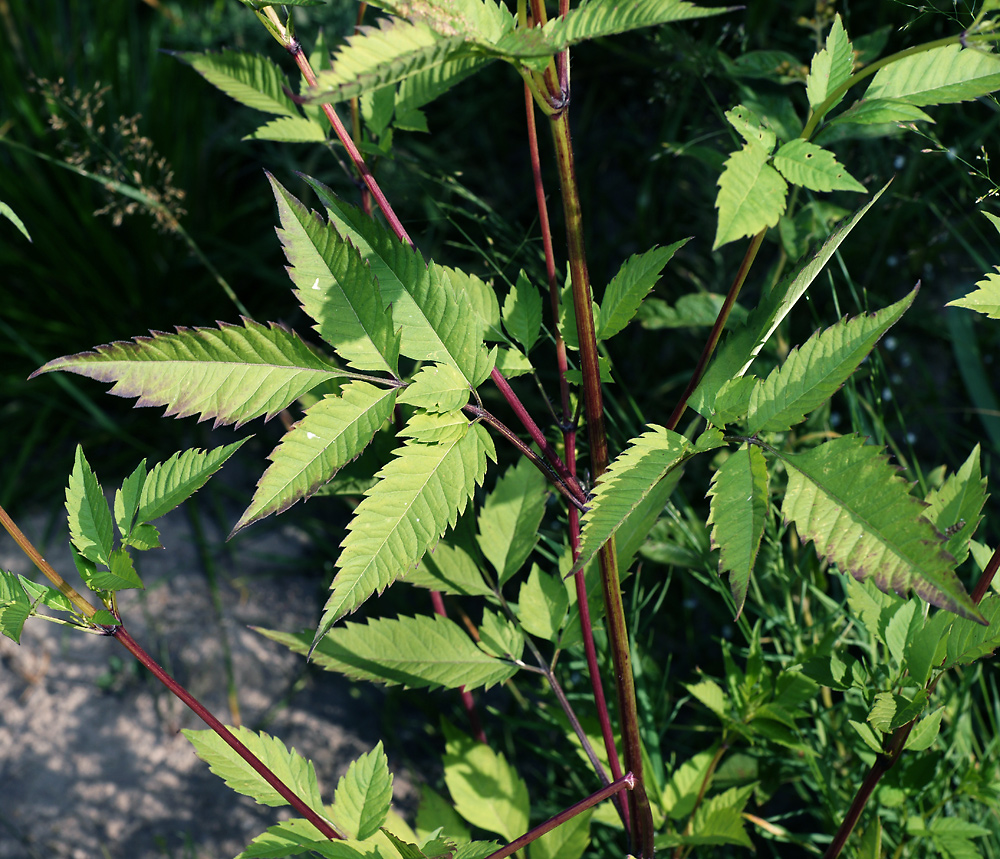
939 76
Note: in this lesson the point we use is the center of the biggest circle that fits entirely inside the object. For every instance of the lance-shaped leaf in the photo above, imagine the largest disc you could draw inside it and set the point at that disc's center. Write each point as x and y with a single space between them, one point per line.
813 167
233 374
421 492
637 276
88 513
830 67
336 288
334 431
290 129
878 111
170 483
969 641
363 795
427 651
938 76
509 520
250 79
629 479
287 764
850 502
955 508
741 347
438 322
522 312
739 512
387 54
751 195
812 373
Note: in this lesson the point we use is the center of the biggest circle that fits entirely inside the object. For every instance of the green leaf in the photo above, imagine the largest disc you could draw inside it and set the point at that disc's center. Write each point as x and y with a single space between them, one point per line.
813 167
939 76
567 841
250 79
629 479
709 693
846 498
510 518
482 298
127 500
364 794
751 195
233 374
414 652
451 570
290 129
812 373
735 355
336 288
296 836
8 213
623 296
870 846
89 516
830 67
437 388
333 432
740 506
879 111
955 508
925 732
15 607
421 492
46 595
682 791
868 735
751 129
500 637
567 316
986 299
542 604
522 312
697 309
891 711
435 317
486 790
170 483
425 86
121 574
970 641
287 764
435 812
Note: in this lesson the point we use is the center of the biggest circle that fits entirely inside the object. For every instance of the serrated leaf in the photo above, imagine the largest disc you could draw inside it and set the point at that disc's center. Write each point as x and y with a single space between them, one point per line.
436 813
451 570
629 479
510 517
623 296
120 576
500 637
811 374
542 604
682 791
486 789
830 67
437 388
414 652
955 508
813 167
925 732
845 497
296 772
90 528
170 483
248 78
890 711
512 362
290 129
878 111
432 428
333 432
364 794
522 312
740 506
566 841
709 693
868 735
127 500
482 299
697 309
46 596
939 76
970 641
15 607
985 299
736 354
296 836
233 374
751 129
751 195
421 492
436 319
336 288
423 87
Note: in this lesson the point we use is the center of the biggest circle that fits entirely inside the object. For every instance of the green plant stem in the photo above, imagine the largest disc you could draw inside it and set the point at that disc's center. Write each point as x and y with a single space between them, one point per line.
437 600
626 782
716 333
641 814
569 452
132 646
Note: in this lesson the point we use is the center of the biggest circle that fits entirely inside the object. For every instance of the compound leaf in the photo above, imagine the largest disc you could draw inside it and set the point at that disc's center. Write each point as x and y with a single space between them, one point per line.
364 793
336 288
939 76
739 511
333 432
811 374
420 493
250 79
233 374
119 576
427 651
849 501
287 764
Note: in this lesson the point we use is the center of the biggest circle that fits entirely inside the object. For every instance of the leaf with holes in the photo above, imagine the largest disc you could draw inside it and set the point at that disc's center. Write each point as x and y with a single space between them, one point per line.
813 167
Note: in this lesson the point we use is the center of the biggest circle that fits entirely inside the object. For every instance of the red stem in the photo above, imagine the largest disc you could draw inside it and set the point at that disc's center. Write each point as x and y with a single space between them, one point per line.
437 600
132 646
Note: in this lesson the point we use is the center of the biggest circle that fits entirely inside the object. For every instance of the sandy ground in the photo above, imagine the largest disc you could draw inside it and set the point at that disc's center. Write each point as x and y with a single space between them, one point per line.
92 763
